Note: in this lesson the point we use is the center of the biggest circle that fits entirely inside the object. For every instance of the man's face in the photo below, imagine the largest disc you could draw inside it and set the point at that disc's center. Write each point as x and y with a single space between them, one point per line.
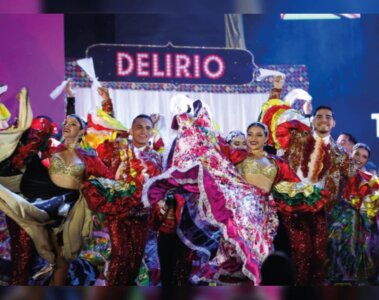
141 132
323 122
344 142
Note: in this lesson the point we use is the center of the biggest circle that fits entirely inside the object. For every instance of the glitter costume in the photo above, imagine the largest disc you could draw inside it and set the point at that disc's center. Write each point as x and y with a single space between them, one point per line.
105 133
121 205
45 203
44 207
353 217
316 161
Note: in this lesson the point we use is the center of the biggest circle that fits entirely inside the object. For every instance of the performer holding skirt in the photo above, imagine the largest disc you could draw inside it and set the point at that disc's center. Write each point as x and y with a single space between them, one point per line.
209 189
51 213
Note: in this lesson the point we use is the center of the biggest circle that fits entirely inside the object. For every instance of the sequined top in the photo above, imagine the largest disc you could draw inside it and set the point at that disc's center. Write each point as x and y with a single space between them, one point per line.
58 167
259 172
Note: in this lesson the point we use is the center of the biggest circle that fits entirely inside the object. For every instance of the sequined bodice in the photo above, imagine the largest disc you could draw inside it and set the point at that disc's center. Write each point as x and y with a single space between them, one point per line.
58 167
257 172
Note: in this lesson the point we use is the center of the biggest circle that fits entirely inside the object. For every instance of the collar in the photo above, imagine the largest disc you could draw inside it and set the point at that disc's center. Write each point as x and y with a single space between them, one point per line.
325 139
141 149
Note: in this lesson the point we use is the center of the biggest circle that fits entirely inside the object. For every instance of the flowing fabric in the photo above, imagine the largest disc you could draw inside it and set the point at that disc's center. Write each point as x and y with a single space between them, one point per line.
47 204
350 224
373 246
246 219
348 255
11 136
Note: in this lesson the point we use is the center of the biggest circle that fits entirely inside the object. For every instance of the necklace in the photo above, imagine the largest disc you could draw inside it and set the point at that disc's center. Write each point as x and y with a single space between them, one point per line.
258 153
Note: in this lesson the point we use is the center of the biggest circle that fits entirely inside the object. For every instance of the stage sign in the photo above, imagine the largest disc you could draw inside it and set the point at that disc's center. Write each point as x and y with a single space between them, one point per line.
171 64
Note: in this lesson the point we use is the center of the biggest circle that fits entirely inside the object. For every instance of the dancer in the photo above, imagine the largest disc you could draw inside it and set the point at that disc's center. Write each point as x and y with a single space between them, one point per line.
111 139
53 215
103 126
203 179
274 176
316 159
201 174
236 139
349 259
133 163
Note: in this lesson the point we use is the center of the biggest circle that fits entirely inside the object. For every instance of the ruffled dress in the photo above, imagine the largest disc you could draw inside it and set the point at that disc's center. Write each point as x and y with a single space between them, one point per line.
236 221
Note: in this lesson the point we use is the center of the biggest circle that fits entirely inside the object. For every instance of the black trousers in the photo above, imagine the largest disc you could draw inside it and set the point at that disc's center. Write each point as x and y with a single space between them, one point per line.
175 259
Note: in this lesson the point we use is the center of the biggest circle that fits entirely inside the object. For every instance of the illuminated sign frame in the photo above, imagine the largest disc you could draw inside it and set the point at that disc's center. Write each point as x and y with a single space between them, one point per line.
172 64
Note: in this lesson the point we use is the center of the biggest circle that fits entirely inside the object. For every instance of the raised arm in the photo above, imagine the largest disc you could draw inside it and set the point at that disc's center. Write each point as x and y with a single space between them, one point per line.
276 91
158 143
70 99
281 119
106 104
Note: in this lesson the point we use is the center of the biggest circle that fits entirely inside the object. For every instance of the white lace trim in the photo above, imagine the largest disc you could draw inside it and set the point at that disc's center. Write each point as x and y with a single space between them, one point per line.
204 215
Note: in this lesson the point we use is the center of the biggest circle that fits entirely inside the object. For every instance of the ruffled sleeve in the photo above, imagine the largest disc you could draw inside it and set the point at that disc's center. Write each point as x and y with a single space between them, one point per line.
362 191
281 119
234 155
158 144
371 200
110 197
109 153
285 172
37 140
292 195
94 166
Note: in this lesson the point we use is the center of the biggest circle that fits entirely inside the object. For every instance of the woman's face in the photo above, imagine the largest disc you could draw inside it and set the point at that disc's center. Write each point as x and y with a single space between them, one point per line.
238 142
256 138
71 128
360 157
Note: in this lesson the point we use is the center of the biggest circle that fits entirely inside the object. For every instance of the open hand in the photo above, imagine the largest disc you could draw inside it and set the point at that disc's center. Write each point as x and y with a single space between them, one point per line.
104 93
69 88
278 82
155 118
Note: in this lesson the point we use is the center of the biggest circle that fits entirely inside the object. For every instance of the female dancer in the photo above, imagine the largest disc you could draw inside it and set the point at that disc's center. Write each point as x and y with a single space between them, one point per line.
52 214
348 257
204 180
236 139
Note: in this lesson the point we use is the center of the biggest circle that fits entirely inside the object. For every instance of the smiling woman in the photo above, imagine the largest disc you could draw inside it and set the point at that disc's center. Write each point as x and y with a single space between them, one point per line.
349 258
361 154
50 197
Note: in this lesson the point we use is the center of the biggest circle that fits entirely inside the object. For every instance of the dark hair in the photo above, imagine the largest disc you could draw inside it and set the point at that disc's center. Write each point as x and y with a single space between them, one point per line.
259 124
82 123
362 146
232 134
143 116
323 107
351 138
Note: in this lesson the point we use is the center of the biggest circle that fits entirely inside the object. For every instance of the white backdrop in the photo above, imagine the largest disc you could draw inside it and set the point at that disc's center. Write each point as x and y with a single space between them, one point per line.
230 110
